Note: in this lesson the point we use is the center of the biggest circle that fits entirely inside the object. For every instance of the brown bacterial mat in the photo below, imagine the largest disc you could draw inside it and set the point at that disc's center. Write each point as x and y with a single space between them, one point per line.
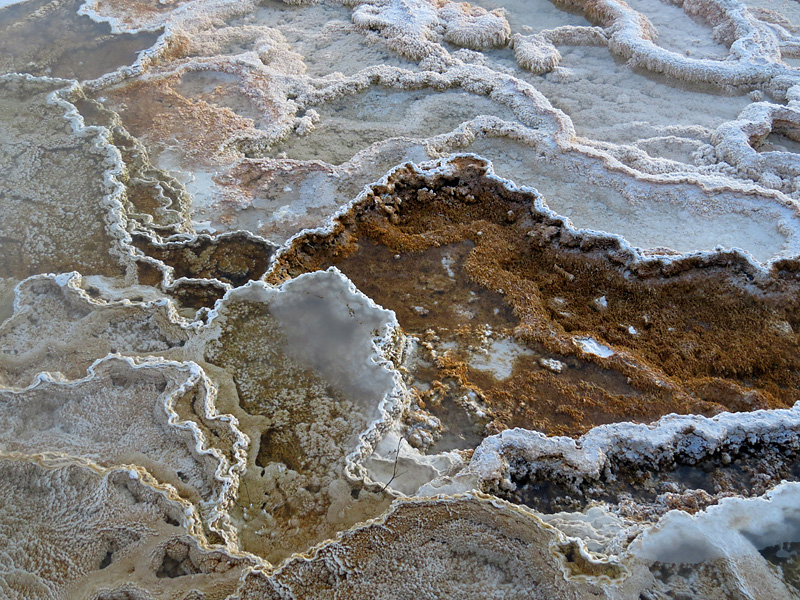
458 254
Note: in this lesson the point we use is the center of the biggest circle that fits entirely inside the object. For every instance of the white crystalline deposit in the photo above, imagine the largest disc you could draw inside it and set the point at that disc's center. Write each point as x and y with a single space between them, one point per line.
103 526
732 532
401 468
474 27
58 327
538 53
592 346
332 328
272 419
556 366
754 50
739 143
686 29
735 528
132 17
118 416
419 29
535 53
74 201
673 439
680 212
408 25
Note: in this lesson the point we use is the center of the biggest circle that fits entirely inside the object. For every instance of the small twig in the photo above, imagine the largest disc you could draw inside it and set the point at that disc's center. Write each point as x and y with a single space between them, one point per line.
247 489
394 471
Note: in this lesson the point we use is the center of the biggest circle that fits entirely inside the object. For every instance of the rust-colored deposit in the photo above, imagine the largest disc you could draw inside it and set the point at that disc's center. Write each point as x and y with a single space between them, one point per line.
201 265
234 258
689 335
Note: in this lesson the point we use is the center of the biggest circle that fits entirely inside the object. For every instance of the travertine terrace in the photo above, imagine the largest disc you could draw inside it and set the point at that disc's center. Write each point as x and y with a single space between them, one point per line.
399 299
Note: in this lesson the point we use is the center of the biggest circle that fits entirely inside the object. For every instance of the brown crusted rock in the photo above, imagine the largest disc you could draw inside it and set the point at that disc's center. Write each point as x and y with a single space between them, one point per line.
668 323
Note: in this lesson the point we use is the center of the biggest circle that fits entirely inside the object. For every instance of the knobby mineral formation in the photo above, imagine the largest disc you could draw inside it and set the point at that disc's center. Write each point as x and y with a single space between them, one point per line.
399 298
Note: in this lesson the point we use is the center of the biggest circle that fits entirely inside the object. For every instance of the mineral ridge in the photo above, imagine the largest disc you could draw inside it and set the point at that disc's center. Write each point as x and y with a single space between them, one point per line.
399 299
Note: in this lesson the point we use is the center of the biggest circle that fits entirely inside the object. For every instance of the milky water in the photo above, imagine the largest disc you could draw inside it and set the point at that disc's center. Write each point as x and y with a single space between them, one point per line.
353 123
663 217
679 32
536 15
77 46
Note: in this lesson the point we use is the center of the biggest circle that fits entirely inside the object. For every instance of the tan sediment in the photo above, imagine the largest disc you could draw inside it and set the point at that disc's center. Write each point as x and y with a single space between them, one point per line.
308 418
195 269
153 111
53 191
449 547
233 258
152 200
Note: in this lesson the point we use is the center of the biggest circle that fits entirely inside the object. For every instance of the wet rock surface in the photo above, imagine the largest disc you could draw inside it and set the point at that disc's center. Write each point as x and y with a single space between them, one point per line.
272 325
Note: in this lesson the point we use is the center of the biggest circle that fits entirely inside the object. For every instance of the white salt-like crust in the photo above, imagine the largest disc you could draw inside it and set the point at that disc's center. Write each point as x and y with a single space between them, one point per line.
131 327
59 327
684 439
538 53
445 167
535 53
132 17
57 248
71 527
90 183
529 107
736 527
124 413
754 52
474 27
735 143
409 26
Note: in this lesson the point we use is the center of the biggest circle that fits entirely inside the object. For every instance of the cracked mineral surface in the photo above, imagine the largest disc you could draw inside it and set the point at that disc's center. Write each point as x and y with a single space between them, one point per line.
399 299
